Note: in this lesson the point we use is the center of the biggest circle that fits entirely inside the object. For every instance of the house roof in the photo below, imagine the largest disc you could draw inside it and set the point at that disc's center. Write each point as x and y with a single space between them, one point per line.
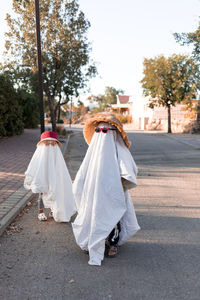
123 99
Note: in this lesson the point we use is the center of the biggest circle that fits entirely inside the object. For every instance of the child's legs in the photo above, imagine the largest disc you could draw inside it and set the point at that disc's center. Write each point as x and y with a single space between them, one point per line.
40 203
113 237
41 215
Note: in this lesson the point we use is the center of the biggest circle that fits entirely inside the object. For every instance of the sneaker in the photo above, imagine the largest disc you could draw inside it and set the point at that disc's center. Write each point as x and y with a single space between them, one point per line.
51 214
42 217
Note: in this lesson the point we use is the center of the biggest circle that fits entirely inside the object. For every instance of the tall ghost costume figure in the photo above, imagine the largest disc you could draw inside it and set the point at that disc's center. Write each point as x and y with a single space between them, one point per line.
101 187
47 174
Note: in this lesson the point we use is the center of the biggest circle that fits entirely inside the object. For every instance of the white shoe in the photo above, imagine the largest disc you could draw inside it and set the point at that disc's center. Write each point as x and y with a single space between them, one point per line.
51 214
42 217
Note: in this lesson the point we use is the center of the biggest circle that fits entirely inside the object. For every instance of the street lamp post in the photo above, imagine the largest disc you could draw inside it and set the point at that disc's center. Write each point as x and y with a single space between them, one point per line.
39 60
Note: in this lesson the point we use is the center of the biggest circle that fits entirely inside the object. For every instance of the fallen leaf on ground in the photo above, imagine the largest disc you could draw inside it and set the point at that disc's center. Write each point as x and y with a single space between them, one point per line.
72 281
13 228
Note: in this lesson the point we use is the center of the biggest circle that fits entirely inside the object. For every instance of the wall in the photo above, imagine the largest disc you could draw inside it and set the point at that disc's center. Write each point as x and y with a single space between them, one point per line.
145 118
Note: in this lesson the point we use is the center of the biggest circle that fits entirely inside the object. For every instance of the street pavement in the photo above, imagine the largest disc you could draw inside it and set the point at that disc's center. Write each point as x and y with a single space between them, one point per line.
42 261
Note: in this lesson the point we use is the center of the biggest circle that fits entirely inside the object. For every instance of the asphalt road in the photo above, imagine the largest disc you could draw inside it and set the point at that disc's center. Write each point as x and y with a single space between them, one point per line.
161 261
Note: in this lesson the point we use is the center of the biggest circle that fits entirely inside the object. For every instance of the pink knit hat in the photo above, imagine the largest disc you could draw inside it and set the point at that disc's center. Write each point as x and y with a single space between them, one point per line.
49 136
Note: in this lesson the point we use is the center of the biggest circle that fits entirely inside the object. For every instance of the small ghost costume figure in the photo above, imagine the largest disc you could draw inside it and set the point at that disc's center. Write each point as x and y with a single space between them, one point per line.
47 174
101 186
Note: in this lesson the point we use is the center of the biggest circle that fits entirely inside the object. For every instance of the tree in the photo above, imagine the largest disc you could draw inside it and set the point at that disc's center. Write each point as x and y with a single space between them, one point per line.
65 48
79 111
10 110
168 81
192 38
30 108
109 98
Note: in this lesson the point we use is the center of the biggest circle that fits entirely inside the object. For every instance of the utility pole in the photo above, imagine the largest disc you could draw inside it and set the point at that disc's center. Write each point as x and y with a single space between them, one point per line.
39 60
70 118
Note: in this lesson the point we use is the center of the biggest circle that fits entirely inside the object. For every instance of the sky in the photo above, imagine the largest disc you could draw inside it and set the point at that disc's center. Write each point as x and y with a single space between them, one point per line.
123 33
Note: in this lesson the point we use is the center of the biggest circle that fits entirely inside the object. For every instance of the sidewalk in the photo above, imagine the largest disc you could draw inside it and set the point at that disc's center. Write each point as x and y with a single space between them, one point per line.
15 155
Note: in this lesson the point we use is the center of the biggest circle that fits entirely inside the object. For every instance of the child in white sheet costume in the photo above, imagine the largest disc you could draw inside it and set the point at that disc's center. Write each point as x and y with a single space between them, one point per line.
105 210
47 174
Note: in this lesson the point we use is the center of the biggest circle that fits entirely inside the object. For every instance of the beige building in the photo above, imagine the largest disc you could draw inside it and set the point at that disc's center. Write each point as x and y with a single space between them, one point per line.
145 118
123 106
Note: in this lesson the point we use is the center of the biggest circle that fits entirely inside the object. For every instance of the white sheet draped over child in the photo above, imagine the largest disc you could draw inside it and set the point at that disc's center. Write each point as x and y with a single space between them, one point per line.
100 198
47 173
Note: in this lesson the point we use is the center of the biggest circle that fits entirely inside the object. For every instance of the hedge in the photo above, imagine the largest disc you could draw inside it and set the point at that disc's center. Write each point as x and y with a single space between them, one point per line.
11 122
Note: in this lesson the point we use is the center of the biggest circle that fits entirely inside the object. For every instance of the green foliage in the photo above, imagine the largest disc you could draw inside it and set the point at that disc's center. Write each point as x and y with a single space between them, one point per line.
65 49
60 121
10 110
110 96
171 80
192 38
168 81
106 100
64 132
30 108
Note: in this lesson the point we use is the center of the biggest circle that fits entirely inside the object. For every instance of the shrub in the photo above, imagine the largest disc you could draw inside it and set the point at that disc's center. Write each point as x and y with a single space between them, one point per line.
59 128
64 132
10 109
124 119
96 110
30 109
60 121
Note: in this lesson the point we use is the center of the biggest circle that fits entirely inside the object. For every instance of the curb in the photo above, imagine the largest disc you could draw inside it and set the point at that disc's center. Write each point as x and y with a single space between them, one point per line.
65 144
15 210
13 205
